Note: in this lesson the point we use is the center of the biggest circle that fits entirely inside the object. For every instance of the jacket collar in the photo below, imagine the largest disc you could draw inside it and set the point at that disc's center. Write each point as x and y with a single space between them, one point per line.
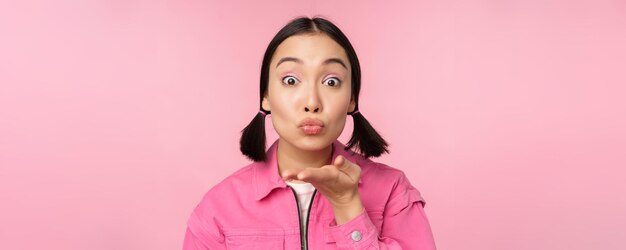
267 178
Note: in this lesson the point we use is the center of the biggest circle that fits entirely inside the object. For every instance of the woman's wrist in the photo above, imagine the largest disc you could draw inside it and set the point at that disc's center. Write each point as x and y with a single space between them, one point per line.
347 211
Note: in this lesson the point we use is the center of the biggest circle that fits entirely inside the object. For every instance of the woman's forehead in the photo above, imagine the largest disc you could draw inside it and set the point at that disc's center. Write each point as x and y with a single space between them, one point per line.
310 49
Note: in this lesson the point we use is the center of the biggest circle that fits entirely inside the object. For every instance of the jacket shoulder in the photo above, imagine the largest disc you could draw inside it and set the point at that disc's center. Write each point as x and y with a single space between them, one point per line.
236 184
380 171
388 184
370 167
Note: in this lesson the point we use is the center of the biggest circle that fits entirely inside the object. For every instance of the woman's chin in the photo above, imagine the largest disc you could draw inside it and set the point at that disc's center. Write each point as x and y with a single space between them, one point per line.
312 143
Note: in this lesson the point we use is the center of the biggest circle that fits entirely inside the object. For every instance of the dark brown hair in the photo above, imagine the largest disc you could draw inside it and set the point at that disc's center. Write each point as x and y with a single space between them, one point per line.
368 141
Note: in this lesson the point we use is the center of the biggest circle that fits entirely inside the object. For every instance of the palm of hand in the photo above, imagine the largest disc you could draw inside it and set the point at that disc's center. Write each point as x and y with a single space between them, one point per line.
338 182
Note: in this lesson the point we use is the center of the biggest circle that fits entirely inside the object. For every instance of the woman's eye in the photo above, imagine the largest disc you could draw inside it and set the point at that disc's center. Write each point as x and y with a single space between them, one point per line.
289 80
332 81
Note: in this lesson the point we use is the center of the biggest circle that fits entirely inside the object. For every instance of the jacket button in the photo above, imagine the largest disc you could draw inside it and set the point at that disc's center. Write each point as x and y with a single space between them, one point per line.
356 235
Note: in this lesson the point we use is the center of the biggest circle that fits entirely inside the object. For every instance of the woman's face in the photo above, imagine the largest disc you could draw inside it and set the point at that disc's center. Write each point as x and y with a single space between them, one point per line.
309 78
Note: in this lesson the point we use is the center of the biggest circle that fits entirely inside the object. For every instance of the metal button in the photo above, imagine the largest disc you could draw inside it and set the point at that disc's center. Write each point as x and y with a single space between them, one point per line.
356 235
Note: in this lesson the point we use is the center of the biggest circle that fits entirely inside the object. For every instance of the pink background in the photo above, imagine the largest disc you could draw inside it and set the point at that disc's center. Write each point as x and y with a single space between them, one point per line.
117 116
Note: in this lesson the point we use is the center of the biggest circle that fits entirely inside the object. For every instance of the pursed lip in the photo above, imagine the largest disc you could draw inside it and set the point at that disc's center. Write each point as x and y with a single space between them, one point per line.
311 122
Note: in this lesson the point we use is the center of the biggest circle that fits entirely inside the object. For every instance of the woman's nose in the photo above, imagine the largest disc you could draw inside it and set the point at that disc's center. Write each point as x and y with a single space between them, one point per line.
312 103
315 110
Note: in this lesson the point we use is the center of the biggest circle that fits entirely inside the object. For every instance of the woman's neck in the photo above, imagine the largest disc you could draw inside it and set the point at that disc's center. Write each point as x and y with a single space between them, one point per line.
290 157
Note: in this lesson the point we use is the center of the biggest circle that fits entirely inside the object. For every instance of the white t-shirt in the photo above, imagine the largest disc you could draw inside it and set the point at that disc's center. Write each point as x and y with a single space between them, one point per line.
304 193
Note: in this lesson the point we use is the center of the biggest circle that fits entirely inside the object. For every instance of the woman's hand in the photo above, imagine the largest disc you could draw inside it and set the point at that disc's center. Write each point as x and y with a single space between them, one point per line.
337 182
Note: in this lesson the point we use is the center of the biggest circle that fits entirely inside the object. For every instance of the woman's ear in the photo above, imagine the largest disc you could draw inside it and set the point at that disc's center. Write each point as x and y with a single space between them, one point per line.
352 105
265 104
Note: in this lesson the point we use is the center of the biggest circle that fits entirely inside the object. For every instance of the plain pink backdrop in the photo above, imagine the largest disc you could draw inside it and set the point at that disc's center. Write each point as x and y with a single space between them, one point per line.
117 116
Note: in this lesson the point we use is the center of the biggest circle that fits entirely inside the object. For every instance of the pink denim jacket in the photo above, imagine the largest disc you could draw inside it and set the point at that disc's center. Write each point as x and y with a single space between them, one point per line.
254 209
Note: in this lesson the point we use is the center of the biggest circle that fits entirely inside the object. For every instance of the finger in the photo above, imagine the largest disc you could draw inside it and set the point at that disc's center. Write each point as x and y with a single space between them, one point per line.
346 166
339 161
315 175
291 174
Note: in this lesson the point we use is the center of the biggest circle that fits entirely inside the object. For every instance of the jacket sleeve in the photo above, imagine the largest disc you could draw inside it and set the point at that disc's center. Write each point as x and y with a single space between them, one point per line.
203 232
405 225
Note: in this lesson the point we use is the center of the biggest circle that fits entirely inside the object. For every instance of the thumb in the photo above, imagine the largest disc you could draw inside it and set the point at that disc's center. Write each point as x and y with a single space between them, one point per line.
341 163
346 166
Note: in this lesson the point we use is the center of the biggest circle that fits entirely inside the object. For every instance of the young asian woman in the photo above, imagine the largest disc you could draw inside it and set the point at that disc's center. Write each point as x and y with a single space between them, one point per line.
308 190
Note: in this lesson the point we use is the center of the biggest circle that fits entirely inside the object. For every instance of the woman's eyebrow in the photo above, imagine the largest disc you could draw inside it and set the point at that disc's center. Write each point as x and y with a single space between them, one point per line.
297 60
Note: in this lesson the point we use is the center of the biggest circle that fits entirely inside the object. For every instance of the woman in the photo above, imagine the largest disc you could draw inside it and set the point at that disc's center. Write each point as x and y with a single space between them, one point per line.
308 190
